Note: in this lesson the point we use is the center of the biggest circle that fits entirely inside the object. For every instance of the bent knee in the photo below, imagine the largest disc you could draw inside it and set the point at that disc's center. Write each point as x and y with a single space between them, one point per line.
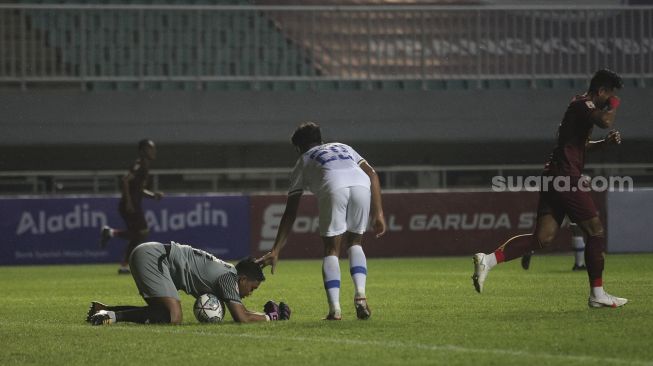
175 319
596 232
545 239
593 227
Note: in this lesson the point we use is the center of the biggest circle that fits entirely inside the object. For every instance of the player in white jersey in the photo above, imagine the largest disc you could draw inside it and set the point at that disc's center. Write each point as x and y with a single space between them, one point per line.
344 184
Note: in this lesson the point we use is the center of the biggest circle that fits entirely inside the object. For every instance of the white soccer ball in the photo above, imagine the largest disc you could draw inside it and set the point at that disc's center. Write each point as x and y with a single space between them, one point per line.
208 309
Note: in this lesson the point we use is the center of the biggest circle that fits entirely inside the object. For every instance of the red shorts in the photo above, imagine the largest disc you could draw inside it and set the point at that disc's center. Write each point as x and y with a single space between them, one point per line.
135 221
576 204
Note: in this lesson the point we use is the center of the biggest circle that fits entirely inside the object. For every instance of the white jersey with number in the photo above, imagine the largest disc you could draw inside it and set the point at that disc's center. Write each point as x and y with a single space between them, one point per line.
326 168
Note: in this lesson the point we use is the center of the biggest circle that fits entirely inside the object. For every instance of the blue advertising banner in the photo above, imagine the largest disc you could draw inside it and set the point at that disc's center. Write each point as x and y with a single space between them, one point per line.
66 230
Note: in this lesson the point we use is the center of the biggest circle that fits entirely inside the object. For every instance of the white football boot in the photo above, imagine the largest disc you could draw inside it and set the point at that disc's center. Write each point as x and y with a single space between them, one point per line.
481 270
606 300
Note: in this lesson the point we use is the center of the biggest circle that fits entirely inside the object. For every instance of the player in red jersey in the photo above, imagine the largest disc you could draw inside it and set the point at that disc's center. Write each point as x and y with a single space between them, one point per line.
134 188
562 194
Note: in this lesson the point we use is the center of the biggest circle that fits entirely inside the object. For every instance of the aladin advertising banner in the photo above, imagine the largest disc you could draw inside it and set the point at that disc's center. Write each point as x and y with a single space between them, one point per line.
67 230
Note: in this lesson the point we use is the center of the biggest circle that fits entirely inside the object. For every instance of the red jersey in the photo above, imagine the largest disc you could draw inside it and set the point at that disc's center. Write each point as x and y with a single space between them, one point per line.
568 157
141 172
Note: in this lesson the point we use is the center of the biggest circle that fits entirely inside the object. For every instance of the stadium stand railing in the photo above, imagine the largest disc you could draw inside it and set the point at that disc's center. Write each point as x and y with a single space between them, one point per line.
189 46
235 180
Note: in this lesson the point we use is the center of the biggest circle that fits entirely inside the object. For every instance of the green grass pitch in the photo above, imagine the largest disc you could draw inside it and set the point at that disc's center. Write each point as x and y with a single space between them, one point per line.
425 311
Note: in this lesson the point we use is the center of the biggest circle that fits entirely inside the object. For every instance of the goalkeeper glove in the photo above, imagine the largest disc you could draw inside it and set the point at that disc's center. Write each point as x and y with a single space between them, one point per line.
271 309
284 311
277 312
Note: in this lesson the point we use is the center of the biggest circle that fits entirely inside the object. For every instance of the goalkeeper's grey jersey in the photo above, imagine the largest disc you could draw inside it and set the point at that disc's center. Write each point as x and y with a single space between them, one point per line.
198 272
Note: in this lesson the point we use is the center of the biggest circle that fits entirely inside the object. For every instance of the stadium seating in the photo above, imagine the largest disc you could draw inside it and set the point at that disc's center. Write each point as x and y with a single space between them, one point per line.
181 43
274 50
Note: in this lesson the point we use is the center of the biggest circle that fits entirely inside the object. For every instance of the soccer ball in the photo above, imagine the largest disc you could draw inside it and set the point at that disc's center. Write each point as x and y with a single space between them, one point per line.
208 309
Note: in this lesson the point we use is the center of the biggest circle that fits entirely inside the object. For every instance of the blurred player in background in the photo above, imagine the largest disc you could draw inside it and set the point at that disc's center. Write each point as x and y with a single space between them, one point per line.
344 184
161 270
597 107
577 244
133 188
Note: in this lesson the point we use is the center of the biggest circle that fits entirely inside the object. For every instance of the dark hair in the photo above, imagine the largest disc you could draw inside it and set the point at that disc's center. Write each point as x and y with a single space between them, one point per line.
145 143
607 79
306 134
250 269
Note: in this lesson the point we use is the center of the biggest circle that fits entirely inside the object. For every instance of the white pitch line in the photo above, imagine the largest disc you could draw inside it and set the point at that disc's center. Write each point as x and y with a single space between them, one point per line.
423 347
381 344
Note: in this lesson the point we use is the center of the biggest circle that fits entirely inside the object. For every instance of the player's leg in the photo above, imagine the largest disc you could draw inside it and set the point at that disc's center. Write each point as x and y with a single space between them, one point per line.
96 306
107 232
526 260
578 246
550 214
581 210
160 310
150 270
358 213
331 275
138 232
545 231
595 262
332 224
358 272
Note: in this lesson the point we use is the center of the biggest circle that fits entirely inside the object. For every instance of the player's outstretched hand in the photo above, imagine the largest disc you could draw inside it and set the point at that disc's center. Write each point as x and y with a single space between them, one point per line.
271 309
613 137
284 311
269 259
158 196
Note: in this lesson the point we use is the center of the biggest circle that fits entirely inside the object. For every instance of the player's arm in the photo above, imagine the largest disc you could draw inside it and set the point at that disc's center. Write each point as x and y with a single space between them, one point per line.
378 221
153 195
240 314
612 138
285 226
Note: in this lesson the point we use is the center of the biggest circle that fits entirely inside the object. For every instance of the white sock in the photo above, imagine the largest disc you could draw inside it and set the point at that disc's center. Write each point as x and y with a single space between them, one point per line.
112 314
597 292
331 276
578 244
358 269
490 260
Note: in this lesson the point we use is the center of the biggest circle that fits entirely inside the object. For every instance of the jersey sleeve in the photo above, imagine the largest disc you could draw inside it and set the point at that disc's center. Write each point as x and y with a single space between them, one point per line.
135 167
354 155
584 109
226 288
296 179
